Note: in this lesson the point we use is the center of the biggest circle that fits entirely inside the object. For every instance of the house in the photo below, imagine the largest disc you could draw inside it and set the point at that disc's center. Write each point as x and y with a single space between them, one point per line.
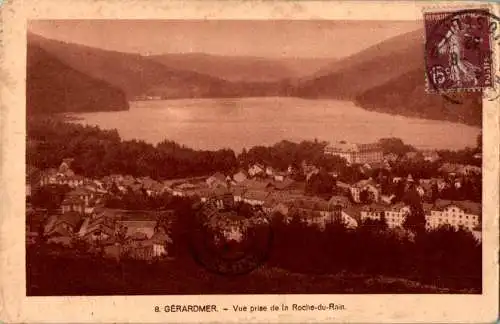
160 240
312 204
217 180
128 181
334 174
455 168
256 169
391 157
60 229
279 176
311 172
341 201
185 189
73 181
255 197
370 186
33 176
342 207
240 176
372 212
292 170
82 194
413 155
64 167
253 184
421 191
48 177
73 204
471 170
396 215
397 179
319 212
465 214
431 156
277 201
97 229
96 188
140 249
222 197
270 171
238 192
137 225
151 187
203 193
233 233
356 153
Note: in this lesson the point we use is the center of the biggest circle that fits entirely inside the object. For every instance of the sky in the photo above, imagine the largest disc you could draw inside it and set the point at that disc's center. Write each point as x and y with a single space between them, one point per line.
262 38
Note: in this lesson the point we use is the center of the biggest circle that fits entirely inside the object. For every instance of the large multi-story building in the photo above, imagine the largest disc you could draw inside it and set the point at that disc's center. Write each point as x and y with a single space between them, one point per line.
357 153
457 214
466 214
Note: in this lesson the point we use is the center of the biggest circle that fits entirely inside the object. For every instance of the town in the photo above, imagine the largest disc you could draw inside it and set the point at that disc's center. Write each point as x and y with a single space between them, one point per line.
122 216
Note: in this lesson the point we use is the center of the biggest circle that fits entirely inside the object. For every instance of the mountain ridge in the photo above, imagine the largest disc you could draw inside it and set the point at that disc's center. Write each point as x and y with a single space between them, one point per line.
52 86
386 77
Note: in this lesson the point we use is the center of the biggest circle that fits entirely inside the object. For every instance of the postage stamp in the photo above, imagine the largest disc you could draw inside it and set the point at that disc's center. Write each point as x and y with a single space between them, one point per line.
459 50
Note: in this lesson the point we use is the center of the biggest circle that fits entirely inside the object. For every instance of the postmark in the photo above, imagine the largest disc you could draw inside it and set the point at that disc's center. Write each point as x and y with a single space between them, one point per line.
459 52
228 242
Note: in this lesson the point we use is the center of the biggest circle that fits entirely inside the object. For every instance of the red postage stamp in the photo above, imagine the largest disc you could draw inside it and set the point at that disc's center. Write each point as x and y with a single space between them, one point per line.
459 50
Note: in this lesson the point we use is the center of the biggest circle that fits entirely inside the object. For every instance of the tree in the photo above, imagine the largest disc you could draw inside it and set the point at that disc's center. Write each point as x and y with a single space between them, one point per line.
49 197
366 197
321 184
415 220
395 145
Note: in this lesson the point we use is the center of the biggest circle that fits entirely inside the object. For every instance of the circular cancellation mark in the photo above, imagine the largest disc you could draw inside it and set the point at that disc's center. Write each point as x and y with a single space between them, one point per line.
227 243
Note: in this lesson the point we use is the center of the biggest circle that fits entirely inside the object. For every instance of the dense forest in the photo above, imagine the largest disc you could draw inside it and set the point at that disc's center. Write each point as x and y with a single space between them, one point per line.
52 86
102 152
99 152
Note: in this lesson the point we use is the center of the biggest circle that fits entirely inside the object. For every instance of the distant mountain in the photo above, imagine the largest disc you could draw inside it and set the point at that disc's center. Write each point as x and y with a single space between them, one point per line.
136 75
388 77
405 95
52 86
349 77
243 68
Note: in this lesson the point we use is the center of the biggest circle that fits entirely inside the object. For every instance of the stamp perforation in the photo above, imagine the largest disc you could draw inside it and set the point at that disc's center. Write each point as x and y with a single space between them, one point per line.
456 51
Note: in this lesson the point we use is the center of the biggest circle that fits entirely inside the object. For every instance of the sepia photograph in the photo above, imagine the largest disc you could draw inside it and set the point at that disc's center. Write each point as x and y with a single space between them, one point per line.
194 157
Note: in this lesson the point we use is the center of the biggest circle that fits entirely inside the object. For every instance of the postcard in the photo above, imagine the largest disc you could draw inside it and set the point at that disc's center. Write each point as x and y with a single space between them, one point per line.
247 161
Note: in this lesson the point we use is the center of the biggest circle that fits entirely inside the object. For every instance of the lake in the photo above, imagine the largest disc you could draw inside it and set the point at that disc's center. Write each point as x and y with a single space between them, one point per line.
246 122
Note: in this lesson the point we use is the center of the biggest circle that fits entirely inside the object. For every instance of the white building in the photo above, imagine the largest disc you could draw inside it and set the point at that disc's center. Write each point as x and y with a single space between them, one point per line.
356 153
465 214
394 216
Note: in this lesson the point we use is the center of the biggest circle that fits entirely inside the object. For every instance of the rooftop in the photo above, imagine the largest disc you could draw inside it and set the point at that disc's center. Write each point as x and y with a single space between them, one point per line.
467 206
345 147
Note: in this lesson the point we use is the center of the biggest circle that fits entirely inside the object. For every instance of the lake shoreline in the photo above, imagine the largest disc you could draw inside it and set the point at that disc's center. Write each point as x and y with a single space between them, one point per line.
238 123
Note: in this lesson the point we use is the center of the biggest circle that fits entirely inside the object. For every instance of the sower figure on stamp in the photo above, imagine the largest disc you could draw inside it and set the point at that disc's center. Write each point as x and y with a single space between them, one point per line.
461 70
